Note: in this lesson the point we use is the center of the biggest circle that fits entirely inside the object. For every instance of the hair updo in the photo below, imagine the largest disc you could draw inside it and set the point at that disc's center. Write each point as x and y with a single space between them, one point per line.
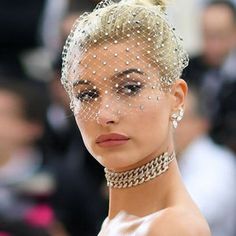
142 19
161 3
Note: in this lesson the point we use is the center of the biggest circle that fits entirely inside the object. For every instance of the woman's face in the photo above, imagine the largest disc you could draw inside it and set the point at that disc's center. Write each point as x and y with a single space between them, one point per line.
123 117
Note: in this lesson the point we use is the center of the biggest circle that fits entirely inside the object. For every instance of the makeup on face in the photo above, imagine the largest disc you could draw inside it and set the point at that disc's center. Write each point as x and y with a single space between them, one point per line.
111 140
90 90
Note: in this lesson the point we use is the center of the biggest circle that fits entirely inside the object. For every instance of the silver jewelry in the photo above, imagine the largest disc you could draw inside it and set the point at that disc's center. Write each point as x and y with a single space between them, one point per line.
177 117
140 174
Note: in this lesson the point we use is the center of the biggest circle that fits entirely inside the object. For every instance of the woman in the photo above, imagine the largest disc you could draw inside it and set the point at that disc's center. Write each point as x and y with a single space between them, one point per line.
121 67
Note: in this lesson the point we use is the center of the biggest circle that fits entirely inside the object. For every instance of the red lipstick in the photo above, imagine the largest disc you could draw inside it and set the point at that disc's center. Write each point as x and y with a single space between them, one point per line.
112 139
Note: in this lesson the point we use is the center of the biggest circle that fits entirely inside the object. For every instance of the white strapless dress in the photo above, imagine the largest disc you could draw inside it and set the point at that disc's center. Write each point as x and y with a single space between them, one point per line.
124 224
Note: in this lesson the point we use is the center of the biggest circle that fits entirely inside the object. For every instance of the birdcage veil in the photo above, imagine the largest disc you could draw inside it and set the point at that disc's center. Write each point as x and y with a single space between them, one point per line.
121 53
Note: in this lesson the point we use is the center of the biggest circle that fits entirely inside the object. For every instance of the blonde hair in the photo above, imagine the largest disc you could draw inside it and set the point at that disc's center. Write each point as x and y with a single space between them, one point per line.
143 18
160 3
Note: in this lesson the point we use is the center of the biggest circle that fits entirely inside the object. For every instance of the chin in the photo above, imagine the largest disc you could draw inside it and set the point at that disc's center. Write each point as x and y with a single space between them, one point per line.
112 157
115 161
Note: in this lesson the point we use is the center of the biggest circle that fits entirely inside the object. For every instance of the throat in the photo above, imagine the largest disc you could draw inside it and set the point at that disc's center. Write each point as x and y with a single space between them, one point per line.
141 174
150 194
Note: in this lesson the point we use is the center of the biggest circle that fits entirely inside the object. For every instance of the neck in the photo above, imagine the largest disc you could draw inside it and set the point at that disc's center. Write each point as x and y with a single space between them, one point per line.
148 197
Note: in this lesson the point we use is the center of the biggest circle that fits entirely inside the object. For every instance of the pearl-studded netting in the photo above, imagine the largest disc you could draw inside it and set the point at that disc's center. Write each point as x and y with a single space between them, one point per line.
119 55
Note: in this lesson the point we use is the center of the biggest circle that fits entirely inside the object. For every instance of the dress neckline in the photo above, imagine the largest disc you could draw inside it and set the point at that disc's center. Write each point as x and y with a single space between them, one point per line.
125 220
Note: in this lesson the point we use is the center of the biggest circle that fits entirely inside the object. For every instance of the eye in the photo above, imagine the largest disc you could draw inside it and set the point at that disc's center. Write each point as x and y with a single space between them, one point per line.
87 95
130 88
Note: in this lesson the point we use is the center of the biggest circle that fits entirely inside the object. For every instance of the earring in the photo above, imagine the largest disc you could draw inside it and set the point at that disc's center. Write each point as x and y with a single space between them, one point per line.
177 117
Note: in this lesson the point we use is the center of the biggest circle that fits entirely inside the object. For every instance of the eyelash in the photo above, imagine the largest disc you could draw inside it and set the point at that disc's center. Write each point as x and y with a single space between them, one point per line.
129 89
87 95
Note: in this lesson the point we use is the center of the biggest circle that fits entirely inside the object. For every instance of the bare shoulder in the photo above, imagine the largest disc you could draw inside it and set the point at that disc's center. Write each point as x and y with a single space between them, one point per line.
179 221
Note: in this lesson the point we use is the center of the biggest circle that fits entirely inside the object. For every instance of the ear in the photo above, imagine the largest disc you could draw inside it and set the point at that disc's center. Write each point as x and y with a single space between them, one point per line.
179 93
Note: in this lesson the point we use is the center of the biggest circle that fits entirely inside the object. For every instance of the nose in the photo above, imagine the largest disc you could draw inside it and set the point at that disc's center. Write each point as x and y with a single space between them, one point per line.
106 114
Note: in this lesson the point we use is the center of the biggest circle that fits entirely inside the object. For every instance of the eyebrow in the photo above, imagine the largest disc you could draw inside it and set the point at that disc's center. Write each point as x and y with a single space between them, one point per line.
81 82
117 75
129 71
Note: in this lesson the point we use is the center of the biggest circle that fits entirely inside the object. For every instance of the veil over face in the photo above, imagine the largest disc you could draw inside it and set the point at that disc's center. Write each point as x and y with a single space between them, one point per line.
126 99
119 57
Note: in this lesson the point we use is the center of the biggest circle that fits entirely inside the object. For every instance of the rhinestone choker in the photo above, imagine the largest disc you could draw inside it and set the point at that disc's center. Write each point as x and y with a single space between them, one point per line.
140 174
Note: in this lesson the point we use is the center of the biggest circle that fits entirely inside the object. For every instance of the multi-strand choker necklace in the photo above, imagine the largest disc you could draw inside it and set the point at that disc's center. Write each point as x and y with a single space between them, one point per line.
140 174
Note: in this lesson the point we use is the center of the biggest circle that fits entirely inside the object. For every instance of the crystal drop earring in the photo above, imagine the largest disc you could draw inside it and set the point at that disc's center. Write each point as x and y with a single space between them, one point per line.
177 117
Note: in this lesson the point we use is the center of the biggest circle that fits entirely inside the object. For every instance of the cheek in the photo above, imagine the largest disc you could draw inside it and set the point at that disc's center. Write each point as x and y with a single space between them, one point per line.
148 129
151 131
154 126
87 131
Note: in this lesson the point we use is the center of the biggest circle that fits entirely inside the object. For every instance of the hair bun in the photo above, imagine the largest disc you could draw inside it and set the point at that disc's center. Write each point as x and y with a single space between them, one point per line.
160 3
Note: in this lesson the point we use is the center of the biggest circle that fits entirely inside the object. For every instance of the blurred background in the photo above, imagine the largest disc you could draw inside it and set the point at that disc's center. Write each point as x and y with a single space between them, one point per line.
49 183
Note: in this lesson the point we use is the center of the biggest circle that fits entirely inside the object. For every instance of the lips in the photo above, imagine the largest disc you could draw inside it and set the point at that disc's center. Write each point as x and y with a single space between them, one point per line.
113 139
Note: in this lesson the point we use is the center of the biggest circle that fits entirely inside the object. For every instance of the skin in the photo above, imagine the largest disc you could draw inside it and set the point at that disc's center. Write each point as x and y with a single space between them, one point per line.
219 36
150 134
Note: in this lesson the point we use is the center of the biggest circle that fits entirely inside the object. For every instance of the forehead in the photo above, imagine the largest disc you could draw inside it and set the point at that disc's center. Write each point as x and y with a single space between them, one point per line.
109 58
